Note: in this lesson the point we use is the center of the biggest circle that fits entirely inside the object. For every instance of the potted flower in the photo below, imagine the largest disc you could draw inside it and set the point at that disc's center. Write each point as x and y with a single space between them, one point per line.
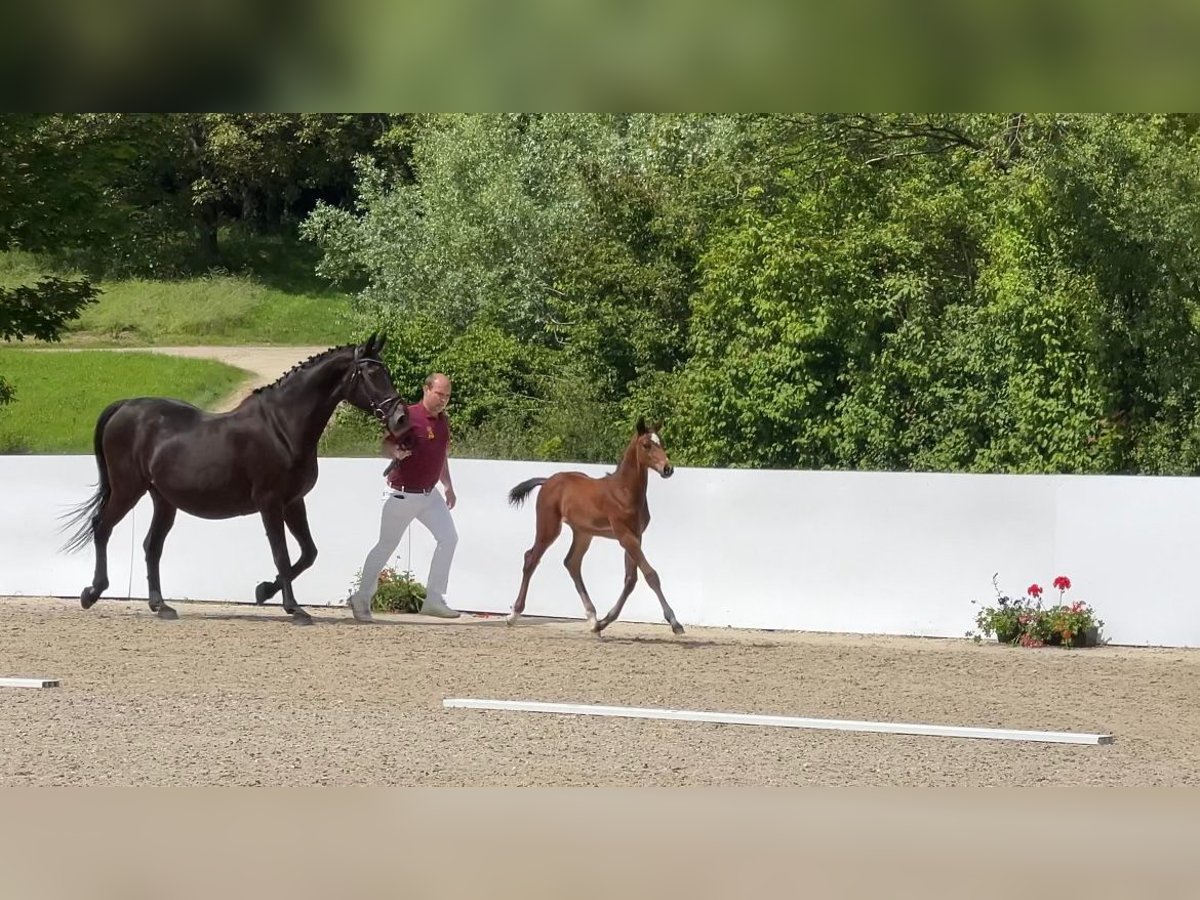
1024 621
1010 618
1070 624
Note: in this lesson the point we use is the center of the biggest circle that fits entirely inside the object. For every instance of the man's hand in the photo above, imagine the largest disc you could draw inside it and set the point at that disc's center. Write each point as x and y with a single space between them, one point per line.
450 498
401 453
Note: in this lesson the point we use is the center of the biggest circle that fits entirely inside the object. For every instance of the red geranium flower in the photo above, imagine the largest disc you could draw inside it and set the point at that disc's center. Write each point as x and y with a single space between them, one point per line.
1034 590
1062 583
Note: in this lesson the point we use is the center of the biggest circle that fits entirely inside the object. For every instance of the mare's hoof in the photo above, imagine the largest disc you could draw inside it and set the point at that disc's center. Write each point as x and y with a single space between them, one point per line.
677 628
300 617
88 598
167 614
264 592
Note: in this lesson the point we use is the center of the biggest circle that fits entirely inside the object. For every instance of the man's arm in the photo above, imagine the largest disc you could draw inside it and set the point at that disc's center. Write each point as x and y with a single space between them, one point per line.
444 478
391 448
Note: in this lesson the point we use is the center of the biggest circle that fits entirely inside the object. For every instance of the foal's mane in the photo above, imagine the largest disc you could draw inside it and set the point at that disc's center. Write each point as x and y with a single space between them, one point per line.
302 365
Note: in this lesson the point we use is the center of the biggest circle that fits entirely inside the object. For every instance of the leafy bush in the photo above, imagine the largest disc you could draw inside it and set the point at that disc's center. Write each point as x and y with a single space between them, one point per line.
398 591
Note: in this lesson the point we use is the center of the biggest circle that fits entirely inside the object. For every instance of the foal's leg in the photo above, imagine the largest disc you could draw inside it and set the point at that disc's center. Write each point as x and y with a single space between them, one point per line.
626 590
548 529
633 546
122 499
295 516
273 522
574 563
164 518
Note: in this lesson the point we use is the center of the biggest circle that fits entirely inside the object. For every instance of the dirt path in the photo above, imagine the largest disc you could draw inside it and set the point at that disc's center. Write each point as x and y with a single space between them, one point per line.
237 695
264 363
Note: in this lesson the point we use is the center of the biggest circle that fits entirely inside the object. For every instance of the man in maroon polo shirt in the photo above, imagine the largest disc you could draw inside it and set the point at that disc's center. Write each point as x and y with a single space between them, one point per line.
418 464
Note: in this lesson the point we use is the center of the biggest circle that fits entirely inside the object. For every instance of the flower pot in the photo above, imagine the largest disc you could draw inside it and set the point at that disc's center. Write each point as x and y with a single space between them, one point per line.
1008 635
1089 637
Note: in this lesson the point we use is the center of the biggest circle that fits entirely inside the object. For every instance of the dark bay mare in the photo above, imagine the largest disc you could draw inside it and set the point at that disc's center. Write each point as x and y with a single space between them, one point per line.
612 507
259 458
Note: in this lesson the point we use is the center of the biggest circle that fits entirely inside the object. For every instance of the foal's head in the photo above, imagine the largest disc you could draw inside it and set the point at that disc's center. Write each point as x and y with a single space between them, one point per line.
368 386
650 450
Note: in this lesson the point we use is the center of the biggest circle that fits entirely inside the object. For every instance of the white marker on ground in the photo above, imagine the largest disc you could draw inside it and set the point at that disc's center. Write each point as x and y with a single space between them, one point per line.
683 715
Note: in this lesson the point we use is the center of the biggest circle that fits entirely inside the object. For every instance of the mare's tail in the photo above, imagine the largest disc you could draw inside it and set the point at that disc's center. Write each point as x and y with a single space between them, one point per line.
83 516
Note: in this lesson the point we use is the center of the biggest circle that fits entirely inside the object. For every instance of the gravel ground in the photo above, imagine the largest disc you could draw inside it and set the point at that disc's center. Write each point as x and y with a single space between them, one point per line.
231 694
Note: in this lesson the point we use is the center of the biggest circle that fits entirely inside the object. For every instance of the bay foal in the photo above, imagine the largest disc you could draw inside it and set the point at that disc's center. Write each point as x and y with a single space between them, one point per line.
613 506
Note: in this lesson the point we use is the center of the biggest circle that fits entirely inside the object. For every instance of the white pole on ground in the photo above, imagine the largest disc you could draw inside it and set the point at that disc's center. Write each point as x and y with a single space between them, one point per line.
684 715
29 682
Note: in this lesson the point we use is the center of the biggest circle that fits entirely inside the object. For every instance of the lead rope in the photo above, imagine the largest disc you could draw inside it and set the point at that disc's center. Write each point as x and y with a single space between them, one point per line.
132 540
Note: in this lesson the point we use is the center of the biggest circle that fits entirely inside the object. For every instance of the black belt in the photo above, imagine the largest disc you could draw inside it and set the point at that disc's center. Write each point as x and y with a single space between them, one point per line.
401 491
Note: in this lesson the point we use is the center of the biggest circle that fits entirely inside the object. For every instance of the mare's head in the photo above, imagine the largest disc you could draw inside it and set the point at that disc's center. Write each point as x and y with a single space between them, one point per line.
368 386
650 450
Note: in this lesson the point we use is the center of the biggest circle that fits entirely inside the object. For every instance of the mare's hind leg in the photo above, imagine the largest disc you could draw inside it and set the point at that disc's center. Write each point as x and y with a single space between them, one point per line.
295 516
574 564
633 547
164 518
548 529
273 522
626 589
123 498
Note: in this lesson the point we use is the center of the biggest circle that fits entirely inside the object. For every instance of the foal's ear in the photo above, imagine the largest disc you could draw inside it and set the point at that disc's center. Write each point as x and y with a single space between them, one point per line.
379 342
641 425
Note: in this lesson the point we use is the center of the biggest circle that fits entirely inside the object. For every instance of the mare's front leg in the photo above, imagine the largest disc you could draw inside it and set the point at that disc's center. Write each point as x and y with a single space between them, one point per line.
273 521
295 516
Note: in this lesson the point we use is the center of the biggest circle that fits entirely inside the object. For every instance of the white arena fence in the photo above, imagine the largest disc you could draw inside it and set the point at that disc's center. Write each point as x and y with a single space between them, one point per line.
857 552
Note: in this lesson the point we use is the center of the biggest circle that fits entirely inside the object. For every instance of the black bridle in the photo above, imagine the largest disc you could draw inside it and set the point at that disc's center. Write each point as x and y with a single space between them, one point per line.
383 408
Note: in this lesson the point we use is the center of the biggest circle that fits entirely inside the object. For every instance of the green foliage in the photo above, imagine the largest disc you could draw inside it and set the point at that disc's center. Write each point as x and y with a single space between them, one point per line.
544 262
39 421
147 194
988 293
398 591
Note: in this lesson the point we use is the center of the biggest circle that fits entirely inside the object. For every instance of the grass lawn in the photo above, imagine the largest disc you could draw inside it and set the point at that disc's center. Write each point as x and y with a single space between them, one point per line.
279 307
59 395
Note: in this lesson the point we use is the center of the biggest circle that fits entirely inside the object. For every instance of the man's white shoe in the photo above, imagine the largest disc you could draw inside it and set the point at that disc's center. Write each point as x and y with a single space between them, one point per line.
361 609
432 606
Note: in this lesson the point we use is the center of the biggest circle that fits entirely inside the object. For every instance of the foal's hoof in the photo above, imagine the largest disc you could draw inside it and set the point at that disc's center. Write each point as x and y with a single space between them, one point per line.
89 596
264 592
512 618
300 617
165 613
677 628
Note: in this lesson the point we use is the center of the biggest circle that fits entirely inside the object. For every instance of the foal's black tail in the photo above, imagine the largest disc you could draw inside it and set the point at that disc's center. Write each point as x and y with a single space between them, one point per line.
83 516
518 494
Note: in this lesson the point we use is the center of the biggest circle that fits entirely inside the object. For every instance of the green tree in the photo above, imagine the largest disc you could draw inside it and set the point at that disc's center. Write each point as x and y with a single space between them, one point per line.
40 311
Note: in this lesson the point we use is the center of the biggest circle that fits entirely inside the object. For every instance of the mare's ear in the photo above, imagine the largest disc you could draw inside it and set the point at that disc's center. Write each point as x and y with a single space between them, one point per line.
365 348
380 340
641 425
